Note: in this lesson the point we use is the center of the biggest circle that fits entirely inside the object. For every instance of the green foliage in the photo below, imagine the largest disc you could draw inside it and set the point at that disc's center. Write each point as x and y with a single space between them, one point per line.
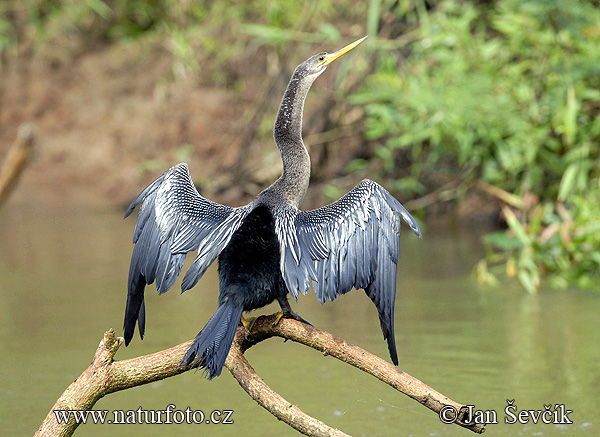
507 93
198 33
550 240
117 20
503 94
95 18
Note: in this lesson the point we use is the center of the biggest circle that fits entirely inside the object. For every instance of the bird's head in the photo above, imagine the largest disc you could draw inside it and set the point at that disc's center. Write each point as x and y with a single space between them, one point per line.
317 64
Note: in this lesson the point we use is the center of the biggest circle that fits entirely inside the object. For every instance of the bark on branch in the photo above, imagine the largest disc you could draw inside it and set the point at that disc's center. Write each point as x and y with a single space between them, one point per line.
105 376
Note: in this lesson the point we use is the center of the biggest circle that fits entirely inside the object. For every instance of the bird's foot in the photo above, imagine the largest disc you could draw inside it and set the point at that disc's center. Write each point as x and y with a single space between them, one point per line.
248 324
288 315
286 311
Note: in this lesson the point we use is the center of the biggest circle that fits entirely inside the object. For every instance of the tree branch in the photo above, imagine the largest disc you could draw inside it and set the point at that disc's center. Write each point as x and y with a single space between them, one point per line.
16 160
105 376
270 400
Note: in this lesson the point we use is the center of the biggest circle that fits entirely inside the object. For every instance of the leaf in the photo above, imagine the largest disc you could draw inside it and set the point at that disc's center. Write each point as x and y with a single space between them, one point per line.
330 32
99 7
570 116
503 241
515 225
484 276
527 281
567 182
373 17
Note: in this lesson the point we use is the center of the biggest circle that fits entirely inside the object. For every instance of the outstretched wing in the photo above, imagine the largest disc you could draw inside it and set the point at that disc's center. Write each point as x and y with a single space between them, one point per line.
174 220
351 243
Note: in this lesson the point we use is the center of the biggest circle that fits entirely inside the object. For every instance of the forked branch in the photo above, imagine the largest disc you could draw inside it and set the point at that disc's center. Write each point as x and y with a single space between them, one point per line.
105 376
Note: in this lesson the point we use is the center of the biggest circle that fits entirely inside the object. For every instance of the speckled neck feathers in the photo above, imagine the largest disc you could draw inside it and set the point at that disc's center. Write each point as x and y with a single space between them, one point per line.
293 182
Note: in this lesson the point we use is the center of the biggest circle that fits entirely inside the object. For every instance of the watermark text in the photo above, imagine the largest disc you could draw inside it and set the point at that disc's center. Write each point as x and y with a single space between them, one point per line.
549 414
170 415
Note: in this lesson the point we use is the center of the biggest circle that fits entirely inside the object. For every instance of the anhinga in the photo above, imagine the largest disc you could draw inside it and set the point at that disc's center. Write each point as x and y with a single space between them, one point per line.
268 248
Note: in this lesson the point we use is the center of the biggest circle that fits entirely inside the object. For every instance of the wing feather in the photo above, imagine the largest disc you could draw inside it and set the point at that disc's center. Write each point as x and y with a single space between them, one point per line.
351 243
174 219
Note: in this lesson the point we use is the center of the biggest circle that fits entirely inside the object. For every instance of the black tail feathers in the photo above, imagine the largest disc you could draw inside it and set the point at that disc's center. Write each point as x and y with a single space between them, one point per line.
387 327
211 346
135 311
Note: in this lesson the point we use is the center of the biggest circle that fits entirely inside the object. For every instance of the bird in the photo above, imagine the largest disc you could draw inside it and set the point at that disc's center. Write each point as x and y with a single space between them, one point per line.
269 248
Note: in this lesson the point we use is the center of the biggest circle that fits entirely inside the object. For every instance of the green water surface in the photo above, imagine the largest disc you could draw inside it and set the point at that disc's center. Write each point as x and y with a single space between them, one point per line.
63 271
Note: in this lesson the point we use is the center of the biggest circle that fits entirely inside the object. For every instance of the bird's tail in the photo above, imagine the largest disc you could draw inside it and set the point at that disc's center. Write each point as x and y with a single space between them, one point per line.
135 310
211 346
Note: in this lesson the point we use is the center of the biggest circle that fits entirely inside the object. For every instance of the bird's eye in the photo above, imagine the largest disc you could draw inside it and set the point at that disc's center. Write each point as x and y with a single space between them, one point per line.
321 58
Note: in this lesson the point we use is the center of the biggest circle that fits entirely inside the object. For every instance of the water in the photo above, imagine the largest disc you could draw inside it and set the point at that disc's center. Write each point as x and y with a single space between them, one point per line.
63 268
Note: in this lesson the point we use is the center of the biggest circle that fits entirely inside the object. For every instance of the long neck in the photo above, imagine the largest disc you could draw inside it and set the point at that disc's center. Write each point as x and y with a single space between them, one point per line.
288 135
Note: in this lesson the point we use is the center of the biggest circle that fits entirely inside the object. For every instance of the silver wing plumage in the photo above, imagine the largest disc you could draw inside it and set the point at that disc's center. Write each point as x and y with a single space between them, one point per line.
174 219
351 243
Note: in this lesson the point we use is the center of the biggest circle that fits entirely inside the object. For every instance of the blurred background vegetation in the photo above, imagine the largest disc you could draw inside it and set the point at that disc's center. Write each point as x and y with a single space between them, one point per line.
495 101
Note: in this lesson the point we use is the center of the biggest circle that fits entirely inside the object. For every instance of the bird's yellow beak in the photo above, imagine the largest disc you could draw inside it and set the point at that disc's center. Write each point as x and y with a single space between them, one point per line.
330 57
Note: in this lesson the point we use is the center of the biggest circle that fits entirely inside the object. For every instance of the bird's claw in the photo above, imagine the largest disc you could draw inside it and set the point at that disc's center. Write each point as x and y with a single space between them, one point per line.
278 317
248 324
289 315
